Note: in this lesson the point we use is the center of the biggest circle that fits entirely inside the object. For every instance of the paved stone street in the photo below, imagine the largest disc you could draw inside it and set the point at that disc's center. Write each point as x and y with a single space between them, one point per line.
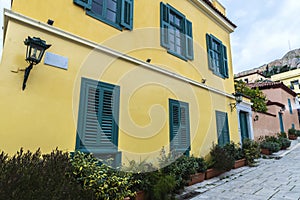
272 179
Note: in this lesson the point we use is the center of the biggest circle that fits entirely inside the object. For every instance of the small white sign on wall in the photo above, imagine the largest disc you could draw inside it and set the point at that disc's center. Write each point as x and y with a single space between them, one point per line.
56 60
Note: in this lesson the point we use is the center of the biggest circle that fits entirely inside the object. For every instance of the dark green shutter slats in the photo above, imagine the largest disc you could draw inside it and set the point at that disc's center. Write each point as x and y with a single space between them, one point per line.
164 25
209 51
187 31
222 55
222 128
98 115
86 4
290 106
189 40
91 128
179 126
225 62
127 14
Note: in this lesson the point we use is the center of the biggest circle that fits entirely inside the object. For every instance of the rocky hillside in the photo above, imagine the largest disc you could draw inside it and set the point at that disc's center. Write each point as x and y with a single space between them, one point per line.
289 61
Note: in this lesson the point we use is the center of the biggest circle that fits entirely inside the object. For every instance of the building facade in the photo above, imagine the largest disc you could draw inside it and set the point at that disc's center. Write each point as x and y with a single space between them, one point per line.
122 79
282 111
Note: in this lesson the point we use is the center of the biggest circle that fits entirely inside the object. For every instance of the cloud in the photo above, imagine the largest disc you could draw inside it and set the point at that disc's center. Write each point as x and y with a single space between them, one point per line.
264 31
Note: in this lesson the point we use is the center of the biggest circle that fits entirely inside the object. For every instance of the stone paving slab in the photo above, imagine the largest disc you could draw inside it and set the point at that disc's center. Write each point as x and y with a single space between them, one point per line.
277 178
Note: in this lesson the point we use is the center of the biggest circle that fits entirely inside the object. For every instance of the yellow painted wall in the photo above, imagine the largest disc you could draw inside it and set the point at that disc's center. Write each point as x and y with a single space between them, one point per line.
287 77
45 114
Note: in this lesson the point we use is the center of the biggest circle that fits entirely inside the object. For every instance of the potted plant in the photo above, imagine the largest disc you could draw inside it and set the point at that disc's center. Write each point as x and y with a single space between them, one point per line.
221 160
200 171
292 134
285 143
251 150
238 154
268 147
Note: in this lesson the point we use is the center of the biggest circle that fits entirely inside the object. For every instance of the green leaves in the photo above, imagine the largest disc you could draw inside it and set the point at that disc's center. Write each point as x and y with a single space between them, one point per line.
256 96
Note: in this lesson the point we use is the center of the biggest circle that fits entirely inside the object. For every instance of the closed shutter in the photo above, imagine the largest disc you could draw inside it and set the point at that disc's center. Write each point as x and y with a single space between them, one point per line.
225 62
209 51
127 14
86 4
290 106
179 126
98 116
164 25
222 128
189 40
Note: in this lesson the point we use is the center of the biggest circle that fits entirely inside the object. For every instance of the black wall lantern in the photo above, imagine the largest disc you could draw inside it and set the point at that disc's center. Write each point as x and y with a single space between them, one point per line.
35 50
238 99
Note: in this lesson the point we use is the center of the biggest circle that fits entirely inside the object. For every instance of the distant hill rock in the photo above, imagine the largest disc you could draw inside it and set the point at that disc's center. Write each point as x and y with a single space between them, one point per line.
289 61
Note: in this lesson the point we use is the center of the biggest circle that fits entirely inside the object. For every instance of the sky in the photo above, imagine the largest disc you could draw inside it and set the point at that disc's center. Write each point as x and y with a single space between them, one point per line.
267 30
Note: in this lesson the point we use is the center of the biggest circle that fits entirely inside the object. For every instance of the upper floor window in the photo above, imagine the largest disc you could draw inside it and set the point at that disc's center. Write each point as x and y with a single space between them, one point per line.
176 32
117 13
217 56
294 83
290 106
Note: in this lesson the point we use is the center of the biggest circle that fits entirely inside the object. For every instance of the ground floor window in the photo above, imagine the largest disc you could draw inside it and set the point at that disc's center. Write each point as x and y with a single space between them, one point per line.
222 128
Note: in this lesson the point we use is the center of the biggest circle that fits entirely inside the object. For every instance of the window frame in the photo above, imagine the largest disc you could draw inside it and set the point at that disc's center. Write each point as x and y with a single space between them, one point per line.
222 70
124 10
186 36
181 147
99 147
222 138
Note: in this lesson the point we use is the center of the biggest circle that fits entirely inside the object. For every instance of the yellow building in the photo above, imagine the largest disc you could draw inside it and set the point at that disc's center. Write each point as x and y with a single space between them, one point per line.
121 78
289 78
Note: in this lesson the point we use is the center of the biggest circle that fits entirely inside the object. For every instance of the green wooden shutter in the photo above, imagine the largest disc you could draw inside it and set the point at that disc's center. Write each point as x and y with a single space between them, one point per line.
225 62
98 116
222 128
127 14
290 106
86 4
179 126
189 40
209 51
164 25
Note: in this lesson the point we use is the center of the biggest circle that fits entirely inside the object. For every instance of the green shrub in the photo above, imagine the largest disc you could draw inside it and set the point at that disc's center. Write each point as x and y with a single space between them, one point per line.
292 131
105 182
29 175
221 158
251 151
234 150
298 133
282 135
272 146
285 143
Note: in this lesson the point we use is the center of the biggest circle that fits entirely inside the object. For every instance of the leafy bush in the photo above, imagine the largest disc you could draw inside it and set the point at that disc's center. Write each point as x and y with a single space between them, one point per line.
251 151
29 175
292 131
282 135
285 143
221 158
272 146
105 182
298 133
234 150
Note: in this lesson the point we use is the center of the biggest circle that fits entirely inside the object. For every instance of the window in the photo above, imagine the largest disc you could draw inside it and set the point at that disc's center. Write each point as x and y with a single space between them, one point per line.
179 126
290 106
294 83
217 56
222 128
117 13
176 32
97 130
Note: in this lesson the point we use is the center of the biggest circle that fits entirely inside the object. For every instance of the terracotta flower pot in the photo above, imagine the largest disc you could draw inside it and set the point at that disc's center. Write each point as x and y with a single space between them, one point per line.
210 173
292 137
239 163
266 151
140 195
196 178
